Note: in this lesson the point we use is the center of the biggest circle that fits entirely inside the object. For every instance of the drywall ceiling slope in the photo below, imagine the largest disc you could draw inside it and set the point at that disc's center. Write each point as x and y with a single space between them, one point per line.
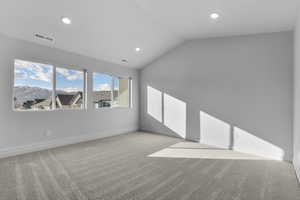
104 29
111 30
191 19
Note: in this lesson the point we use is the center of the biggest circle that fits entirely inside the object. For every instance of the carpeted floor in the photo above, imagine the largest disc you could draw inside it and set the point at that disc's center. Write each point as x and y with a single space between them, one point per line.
136 166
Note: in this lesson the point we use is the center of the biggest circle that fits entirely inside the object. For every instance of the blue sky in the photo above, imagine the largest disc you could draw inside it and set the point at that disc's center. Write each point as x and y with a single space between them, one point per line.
69 80
103 82
33 74
40 75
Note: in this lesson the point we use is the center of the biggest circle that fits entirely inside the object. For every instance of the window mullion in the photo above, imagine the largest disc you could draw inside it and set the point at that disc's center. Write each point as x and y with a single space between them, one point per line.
112 91
54 88
84 95
130 92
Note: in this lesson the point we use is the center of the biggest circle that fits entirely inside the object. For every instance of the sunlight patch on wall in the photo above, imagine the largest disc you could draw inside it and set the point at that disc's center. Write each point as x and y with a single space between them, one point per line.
154 103
248 143
175 115
214 131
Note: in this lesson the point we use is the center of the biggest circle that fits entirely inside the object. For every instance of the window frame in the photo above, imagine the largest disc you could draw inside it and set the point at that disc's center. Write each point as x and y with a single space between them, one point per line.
85 95
129 84
53 85
14 80
84 89
92 100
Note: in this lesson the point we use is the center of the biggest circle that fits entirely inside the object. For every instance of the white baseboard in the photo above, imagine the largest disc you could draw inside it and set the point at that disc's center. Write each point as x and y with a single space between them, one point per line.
18 150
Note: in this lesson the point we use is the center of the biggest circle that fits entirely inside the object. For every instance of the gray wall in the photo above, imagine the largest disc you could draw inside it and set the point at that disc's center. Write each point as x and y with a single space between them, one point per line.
242 84
297 100
25 131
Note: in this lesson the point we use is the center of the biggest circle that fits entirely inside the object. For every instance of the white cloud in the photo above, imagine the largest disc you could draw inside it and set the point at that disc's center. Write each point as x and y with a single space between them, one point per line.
33 86
20 74
70 75
37 71
63 72
104 87
41 76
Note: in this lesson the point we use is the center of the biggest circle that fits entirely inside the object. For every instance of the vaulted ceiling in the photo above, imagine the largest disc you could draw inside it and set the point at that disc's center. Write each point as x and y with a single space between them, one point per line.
111 29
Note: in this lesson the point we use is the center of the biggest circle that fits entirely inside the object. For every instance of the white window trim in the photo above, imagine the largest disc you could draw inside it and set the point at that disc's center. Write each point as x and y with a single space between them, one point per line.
84 91
13 84
129 83
53 96
112 92
54 88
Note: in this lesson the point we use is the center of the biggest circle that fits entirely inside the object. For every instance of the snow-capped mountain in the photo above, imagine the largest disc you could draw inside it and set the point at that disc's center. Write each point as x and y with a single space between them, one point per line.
27 93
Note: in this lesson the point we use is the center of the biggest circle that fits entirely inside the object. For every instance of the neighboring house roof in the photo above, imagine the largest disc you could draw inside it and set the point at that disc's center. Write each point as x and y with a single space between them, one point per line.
68 99
39 100
64 100
43 104
103 95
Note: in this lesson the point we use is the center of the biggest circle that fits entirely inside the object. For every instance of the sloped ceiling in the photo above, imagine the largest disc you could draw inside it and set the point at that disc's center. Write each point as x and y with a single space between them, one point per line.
111 29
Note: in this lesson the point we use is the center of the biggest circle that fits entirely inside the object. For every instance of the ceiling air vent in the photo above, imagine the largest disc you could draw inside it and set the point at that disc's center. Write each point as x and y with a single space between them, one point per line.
43 37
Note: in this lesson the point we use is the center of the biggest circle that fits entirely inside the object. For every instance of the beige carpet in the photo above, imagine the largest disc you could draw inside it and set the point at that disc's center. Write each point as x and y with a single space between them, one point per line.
137 166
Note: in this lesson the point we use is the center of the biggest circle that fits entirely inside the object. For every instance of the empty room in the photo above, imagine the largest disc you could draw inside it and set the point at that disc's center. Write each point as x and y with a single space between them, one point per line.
150 100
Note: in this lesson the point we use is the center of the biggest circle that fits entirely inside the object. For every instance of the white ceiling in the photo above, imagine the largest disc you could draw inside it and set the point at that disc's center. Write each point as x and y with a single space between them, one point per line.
111 29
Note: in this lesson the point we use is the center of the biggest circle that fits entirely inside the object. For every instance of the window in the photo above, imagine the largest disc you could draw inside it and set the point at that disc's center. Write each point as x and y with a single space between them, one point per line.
32 86
102 87
69 88
121 92
110 91
40 86
116 86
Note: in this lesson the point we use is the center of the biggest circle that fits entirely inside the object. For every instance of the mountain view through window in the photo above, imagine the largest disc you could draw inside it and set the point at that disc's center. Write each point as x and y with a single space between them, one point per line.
33 87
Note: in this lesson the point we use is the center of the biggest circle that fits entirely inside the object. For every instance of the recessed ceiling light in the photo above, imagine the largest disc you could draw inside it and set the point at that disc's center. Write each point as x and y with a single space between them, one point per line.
214 15
137 49
124 61
66 20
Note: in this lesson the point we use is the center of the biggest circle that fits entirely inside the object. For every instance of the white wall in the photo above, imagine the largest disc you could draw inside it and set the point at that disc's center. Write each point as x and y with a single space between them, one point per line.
237 91
296 130
26 131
